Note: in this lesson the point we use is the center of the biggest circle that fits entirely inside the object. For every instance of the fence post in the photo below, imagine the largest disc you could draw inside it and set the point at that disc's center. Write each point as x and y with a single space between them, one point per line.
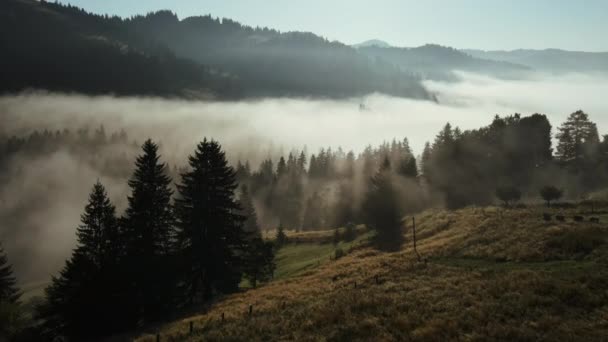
222 316
250 310
191 327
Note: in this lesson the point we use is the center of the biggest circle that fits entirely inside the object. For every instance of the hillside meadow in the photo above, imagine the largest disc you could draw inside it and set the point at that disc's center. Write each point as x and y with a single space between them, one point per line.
485 274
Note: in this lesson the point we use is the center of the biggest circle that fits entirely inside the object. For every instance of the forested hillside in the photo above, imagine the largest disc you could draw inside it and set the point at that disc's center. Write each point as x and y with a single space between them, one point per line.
62 48
57 48
438 62
551 60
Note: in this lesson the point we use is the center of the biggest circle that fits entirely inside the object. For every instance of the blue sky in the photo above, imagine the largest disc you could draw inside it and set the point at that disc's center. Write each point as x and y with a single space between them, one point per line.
480 24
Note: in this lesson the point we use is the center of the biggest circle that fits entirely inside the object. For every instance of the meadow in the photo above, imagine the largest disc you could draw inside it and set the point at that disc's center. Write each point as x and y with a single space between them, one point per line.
485 274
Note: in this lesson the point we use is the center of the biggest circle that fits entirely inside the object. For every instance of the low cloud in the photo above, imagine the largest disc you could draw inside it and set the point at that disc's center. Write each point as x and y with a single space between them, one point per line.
42 198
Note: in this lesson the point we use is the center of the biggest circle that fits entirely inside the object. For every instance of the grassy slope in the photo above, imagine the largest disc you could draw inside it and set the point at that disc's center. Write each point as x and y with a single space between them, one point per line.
491 274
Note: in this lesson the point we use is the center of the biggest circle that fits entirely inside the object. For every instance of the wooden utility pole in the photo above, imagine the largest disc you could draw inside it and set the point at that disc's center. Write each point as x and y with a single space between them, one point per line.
414 232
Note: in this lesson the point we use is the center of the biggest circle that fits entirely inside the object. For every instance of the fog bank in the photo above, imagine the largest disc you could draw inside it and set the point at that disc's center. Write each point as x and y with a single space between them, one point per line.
41 199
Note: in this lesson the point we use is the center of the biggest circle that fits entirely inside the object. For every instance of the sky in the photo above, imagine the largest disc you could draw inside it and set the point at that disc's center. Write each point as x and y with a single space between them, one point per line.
475 24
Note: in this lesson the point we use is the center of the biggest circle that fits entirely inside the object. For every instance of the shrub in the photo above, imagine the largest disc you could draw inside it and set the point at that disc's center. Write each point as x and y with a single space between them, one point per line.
338 253
350 233
550 193
508 195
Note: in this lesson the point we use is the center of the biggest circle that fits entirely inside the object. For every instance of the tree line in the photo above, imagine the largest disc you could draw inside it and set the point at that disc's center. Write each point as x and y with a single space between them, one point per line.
64 48
168 251
178 246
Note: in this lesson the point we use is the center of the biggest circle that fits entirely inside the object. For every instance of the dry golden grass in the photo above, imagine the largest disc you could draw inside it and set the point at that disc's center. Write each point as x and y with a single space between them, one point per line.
491 274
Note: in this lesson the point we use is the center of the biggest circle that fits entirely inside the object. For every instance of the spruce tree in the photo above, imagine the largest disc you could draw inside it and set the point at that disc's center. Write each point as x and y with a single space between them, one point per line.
86 292
147 230
382 209
336 239
578 139
259 254
281 237
9 293
209 226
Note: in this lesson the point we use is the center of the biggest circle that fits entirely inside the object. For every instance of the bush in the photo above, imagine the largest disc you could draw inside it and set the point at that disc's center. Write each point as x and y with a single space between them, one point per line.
508 195
338 253
350 233
550 193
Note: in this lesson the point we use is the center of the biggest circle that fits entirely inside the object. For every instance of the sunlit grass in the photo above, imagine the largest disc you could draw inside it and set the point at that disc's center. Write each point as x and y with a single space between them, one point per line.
490 274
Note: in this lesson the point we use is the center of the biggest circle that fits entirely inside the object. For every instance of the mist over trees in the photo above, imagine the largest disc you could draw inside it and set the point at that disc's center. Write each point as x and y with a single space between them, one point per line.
159 256
63 48
174 247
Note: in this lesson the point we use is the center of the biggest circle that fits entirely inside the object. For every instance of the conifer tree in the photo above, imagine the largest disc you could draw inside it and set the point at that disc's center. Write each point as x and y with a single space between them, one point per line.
250 225
281 237
258 255
578 139
336 238
382 210
209 226
301 164
9 293
86 292
408 167
147 231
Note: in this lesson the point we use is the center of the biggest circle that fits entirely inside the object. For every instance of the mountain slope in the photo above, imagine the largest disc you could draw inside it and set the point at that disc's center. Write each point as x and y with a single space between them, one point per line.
63 48
269 62
373 42
438 62
552 60
491 274
58 48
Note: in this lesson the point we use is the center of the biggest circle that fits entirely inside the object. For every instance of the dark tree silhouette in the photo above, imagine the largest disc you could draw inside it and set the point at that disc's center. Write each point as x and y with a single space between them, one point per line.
259 255
508 195
281 238
336 237
9 292
577 138
382 211
350 232
86 291
11 311
550 193
209 226
147 231
259 262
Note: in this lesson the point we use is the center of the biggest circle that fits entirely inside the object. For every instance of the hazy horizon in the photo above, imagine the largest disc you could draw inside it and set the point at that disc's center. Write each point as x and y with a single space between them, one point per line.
490 25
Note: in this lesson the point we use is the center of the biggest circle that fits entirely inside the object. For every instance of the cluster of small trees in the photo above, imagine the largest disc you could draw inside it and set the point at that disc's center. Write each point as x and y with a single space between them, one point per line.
161 254
510 194
466 167
327 189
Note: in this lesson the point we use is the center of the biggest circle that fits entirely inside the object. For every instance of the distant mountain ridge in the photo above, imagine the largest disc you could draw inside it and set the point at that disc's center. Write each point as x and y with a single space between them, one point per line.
373 42
64 48
552 60
434 61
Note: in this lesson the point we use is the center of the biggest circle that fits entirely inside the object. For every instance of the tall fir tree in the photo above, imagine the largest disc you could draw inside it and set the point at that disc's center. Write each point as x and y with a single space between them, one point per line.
578 139
11 312
87 290
9 292
209 226
250 225
258 263
147 231
382 211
